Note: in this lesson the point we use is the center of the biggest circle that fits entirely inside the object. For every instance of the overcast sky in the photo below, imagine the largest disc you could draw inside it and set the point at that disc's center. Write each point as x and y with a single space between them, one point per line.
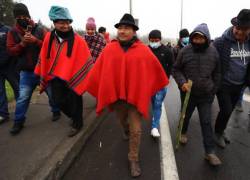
164 15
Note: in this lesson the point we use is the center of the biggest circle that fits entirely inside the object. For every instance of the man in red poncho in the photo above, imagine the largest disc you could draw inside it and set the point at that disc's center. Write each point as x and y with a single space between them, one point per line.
65 61
125 77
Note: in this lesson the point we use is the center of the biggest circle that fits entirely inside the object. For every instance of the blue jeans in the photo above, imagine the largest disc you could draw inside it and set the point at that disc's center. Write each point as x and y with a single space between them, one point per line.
27 84
157 101
12 77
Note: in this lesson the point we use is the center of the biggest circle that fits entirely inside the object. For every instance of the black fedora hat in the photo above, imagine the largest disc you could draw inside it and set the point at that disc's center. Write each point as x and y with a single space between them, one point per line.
243 18
127 19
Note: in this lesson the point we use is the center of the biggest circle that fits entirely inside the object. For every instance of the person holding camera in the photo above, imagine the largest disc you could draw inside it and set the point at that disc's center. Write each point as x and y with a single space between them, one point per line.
24 42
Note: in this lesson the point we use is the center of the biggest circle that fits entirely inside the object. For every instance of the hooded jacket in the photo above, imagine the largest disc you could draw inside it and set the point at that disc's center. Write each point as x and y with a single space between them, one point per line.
223 45
202 68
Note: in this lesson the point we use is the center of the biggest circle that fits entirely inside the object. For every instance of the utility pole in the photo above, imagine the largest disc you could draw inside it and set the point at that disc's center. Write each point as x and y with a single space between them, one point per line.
131 12
130 7
181 13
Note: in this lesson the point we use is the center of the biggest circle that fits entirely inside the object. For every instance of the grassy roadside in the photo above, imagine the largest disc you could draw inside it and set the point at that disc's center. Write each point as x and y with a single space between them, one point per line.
9 91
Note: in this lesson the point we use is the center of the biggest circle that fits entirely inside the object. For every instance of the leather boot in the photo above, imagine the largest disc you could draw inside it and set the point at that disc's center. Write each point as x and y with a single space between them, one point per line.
56 116
16 129
135 169
125 135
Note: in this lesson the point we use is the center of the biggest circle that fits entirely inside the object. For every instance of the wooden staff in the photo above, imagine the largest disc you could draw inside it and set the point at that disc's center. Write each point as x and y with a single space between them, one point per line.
182 116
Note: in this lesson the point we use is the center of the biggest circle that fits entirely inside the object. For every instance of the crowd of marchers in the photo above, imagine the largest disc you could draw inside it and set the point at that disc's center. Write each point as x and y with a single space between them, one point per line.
124 74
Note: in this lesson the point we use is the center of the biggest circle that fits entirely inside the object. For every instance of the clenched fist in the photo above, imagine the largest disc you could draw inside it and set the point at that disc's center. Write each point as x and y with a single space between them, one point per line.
29 38
185 87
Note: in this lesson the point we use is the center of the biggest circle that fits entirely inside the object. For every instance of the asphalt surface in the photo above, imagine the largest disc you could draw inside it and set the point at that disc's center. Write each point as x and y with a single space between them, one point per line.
190 158
105 155
40 149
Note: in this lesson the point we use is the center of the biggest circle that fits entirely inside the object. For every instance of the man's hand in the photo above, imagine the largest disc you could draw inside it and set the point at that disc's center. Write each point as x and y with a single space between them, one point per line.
29 38
185 87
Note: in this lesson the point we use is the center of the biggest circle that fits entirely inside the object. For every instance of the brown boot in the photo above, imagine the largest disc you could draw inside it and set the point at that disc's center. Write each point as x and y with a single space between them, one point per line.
73 132
213 159
125 135
183 139
135 169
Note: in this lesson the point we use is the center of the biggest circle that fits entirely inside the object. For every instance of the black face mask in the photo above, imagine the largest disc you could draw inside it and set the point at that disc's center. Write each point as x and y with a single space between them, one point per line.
23 23
199 47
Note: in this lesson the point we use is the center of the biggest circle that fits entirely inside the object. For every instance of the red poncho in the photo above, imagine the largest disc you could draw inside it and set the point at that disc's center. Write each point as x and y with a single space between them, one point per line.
134 76
71 69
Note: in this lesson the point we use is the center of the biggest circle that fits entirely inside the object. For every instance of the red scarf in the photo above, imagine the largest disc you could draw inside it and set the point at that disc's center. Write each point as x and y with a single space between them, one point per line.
71 69
134 76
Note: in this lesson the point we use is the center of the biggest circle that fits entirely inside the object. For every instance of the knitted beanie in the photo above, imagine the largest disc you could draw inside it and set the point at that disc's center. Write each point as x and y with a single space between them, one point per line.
20 9
154 34
183 33
90 23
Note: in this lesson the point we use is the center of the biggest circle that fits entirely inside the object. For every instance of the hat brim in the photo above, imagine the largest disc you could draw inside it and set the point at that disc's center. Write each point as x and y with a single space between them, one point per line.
197 32
127 23
235 22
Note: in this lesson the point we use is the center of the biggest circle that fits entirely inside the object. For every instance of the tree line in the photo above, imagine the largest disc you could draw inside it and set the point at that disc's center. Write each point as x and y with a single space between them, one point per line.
6 12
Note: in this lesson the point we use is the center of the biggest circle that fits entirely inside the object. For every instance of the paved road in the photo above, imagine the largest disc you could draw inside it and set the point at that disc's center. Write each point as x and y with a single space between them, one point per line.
42 146
105 155
190 162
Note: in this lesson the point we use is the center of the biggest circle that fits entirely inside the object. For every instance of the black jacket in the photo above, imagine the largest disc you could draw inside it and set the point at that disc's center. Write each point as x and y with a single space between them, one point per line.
203 68
165 56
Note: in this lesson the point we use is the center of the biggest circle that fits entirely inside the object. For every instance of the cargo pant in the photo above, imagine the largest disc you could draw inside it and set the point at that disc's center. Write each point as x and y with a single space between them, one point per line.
130 119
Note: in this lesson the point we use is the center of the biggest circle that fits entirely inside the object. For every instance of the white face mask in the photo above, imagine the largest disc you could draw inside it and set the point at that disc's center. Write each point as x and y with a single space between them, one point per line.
154 45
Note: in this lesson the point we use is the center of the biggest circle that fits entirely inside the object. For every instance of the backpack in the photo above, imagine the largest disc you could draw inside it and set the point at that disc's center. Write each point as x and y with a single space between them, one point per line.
4 57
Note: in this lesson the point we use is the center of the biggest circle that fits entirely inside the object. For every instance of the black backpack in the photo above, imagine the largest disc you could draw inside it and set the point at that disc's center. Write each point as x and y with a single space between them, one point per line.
4 57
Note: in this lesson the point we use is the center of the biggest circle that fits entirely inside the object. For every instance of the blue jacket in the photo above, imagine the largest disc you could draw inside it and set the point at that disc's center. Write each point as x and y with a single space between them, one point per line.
223 45
4 57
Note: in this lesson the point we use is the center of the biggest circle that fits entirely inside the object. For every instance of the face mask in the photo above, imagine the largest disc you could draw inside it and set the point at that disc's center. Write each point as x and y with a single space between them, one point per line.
200 47
185 41
23 23
154 45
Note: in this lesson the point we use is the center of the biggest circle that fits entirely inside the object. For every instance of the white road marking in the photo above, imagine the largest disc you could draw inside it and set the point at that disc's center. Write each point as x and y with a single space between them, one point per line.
168 163
246 97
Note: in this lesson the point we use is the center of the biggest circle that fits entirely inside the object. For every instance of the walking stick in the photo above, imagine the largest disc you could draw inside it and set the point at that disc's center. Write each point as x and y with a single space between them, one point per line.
182 116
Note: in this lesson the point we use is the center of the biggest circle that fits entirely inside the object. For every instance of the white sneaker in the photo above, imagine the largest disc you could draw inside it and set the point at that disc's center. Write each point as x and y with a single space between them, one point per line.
155 132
